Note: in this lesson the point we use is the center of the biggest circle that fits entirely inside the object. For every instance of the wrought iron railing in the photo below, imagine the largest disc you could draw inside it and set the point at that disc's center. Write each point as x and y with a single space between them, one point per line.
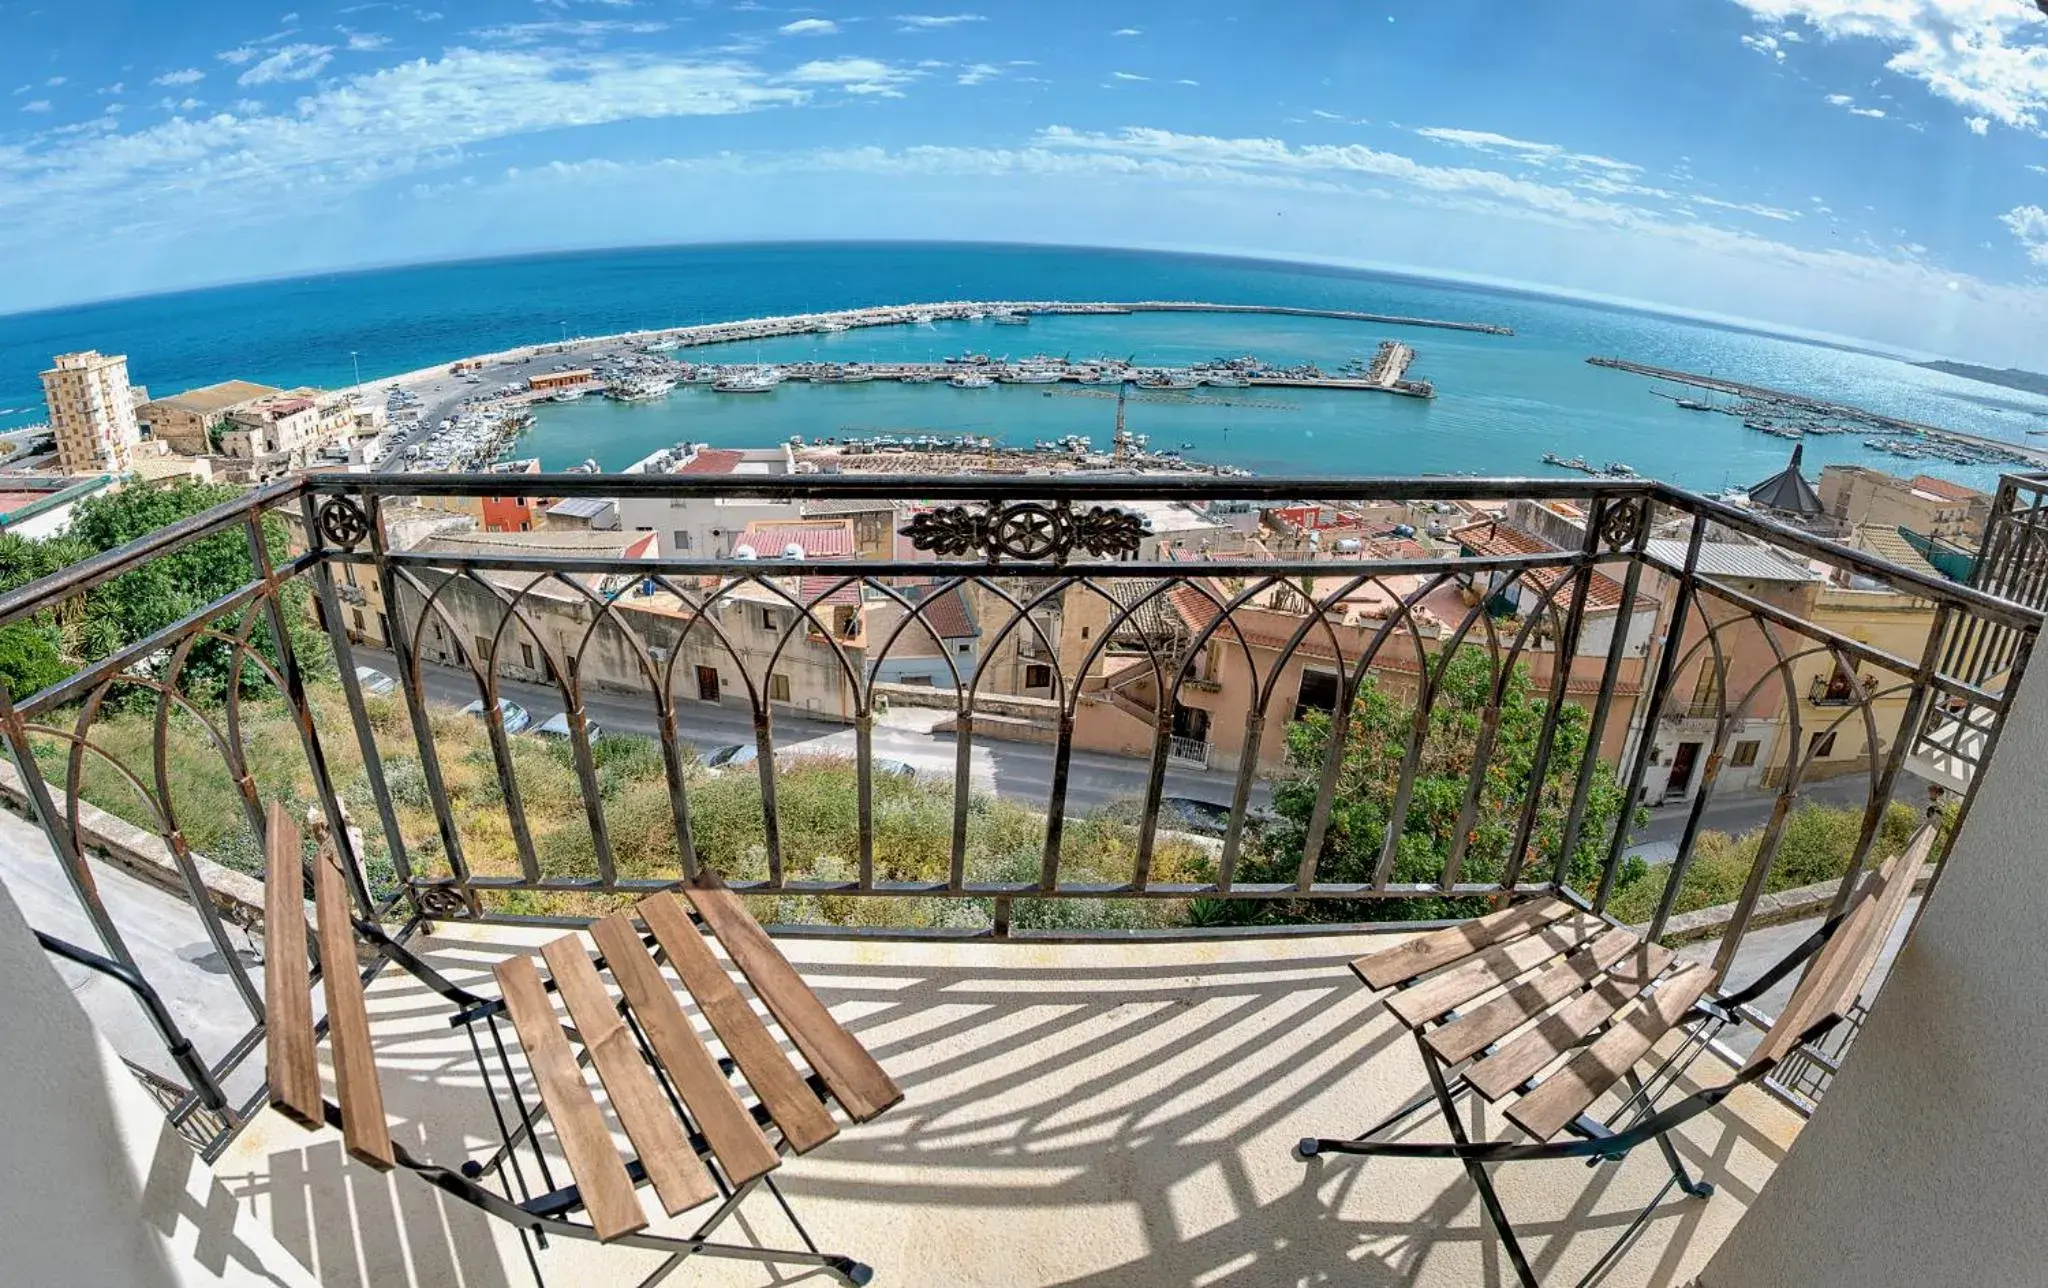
1387 731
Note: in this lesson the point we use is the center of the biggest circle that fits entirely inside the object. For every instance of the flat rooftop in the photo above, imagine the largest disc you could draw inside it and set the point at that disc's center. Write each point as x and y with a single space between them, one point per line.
1110 1115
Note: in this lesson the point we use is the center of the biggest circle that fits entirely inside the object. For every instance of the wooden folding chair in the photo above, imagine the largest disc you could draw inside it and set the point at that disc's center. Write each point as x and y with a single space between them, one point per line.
1542 1008
695 1139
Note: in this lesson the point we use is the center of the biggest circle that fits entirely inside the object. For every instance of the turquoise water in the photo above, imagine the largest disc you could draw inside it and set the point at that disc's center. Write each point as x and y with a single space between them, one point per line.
1502 401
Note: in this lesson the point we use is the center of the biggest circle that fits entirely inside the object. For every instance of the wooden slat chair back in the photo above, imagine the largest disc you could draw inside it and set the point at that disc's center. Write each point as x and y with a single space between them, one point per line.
1835 980
648 1056
1544 1008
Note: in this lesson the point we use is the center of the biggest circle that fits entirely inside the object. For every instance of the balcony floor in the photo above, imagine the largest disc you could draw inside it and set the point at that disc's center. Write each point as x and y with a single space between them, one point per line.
1097 1114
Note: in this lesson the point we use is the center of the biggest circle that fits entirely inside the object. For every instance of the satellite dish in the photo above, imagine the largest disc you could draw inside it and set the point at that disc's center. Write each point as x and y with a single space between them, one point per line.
794 550
744 551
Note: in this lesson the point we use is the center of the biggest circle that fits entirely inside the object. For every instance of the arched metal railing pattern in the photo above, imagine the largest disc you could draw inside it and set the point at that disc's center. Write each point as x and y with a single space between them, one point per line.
1578 648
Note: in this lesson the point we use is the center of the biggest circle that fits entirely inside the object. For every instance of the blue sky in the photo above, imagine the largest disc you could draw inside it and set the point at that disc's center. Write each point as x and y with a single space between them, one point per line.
1866 168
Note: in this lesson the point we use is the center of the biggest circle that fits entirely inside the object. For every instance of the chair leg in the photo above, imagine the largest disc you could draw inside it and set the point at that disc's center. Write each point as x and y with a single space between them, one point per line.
1476 1170
1679 1172
849 1270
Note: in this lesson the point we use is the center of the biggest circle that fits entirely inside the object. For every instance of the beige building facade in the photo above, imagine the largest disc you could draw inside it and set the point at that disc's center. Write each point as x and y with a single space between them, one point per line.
185 422
92 412
1858 496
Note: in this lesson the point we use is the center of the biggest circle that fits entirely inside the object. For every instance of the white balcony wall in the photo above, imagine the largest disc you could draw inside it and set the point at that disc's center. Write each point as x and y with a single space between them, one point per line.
1923 1163
97 1188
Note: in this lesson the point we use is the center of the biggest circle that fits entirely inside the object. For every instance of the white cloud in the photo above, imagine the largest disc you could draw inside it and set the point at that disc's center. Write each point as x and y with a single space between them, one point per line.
178 104
1128 31
1185 81
36 105
239 55
294 62
585 31
1876 113
55 81
933 21
868 76
363 42
1840 100
810 27
1129 76
1744 207
1986 56
2029 226
1766 45
1978 124
1525 151
410 118
977 73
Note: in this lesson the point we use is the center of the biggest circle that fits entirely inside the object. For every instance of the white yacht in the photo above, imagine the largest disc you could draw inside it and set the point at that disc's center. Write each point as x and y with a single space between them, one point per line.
750 382
970 380
1011 319
829 328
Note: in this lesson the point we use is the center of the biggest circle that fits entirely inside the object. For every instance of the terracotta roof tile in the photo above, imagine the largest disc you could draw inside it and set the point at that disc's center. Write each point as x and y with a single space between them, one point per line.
821 540
1492 537
711 461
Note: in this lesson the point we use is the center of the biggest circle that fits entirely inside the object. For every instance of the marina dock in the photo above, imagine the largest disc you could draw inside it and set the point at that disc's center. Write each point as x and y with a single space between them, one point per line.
1999 448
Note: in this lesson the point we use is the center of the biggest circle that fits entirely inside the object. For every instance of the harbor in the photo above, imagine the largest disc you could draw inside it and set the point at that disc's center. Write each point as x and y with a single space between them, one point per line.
1779 414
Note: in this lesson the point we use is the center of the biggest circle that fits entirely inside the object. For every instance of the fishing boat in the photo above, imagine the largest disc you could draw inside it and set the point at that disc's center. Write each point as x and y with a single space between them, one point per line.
752 382
1011 319
566 395
922 319
1225 380
640 389
1031 376
970 380
1616 469
829 328
916 378
856 373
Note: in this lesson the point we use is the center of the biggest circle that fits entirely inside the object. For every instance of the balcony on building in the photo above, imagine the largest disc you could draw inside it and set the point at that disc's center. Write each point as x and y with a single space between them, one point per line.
1073 797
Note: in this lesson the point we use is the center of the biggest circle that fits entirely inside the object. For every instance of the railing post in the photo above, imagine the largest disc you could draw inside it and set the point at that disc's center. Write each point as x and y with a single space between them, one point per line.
352 691
411 683
1667 665
302 715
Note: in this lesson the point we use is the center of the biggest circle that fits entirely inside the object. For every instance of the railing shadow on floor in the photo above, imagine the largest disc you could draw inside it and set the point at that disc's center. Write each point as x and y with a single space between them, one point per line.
1156 1102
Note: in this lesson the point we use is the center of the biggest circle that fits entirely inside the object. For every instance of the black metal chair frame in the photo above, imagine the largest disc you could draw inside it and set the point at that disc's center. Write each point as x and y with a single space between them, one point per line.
539 1216
1635 1122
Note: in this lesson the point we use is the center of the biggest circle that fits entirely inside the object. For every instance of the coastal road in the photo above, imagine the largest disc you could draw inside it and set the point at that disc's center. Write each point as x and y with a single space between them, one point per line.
1020 771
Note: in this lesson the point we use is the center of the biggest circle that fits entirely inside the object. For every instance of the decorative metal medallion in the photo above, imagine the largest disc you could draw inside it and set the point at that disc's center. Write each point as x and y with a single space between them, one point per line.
441 902
343 522
1027 530
1621 524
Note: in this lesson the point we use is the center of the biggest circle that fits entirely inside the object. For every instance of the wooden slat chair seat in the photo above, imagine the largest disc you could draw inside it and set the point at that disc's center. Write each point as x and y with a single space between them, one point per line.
1543 1009
679 1110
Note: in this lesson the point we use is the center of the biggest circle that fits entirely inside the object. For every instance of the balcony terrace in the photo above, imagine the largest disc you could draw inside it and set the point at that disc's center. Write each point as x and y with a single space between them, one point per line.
1111 1022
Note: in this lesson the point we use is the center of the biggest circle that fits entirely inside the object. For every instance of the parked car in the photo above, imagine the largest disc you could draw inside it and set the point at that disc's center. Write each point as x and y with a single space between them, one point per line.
895 768
515 716
375 682
1190 814
737 755
557 726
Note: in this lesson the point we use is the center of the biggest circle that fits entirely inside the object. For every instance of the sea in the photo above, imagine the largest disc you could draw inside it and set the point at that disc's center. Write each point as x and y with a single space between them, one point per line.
1502 401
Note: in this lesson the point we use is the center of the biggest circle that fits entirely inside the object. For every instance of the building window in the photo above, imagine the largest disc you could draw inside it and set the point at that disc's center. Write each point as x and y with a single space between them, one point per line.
1745 753
1038 676
437 632
778 688
358 615
966 648
348 573
1084 632
526 655
682 539
483 647
1820 746
767 620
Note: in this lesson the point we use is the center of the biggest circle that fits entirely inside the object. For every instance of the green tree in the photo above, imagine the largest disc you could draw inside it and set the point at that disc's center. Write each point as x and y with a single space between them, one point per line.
162 590
1376 741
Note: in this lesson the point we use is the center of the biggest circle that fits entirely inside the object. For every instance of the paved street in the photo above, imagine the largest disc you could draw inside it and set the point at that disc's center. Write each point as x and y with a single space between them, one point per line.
1015 770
